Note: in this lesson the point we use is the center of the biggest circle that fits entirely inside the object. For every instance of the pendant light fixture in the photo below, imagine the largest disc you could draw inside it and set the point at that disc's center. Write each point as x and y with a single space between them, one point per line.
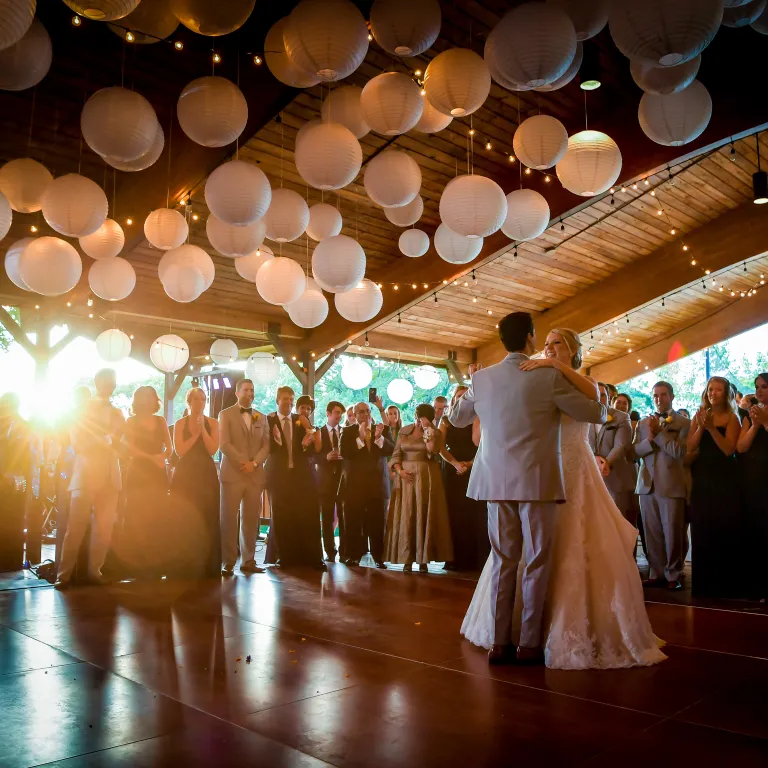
759 179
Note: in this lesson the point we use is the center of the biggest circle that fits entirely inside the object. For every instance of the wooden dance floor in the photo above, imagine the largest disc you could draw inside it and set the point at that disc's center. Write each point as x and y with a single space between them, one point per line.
353 668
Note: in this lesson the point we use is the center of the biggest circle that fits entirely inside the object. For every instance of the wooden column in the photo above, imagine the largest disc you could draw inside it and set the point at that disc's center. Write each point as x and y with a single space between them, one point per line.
171 386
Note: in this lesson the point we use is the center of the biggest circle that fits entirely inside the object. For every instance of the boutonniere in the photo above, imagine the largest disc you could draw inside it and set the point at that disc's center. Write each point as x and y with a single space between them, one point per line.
609 419
255 416
668 420
297 423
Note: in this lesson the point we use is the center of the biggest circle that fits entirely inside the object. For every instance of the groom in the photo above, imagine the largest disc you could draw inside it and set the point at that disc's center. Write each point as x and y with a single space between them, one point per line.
518 471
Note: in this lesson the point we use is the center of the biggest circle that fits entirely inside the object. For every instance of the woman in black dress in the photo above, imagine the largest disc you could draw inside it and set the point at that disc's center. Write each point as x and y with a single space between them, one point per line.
716 530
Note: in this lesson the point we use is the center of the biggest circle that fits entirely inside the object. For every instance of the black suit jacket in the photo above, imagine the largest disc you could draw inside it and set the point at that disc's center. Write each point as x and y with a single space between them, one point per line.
365 471
277 464
328 473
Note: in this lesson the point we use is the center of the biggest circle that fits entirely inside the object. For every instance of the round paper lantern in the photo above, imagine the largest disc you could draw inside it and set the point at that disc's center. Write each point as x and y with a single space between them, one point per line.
112 279
565 78
361 304
343 106
234 241
211 18
406 215
588 16
338 264
212 111
457 82
405 28
356 373
431 120
591 164
287 217
188 255
183 284
392 103
473 205
455 248
23 182
413 243
527 215
166 228
113 345
12 256
102 10
224 352
238 193
280 280
15 19
248 266
25 63
328 156
735 3
74 206
278 62
150 22
743 15
169 353
676 118
50 266
262 368
324 222
501 78
540 142
146 160
663 80
106 242
760 24
664 33
310 309
6 216
400 391
426 377
392 179
328 38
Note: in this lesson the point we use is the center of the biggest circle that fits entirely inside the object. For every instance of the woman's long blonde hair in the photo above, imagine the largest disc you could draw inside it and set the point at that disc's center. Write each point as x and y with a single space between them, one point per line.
728 396
573 342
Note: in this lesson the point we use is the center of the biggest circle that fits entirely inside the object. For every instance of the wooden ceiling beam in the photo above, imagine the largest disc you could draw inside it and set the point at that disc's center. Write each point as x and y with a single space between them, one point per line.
391 346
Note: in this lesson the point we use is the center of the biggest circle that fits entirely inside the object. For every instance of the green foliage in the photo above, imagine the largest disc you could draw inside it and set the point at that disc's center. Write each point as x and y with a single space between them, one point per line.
5 338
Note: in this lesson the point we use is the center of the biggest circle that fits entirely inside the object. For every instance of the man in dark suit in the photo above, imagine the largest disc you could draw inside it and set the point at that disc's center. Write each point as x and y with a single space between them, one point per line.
365 448
329 465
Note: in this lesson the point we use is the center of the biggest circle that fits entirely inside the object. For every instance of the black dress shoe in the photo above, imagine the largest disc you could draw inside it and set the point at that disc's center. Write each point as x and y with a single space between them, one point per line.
227 571
251 568
501 654
61 585
381 565
529 656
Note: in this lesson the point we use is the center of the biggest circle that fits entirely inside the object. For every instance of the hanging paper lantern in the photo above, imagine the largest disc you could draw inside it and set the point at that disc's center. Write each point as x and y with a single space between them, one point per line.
457 82
361 304
224 352
413 243
405 28
25 63
6 216
324 222
589 17
328 38
501 78
328 156
400 391
146 160
238 193
392 179
12 256
248 266
102 10
212 111
112 279
473 205
280 280
455 248
343 106
564 79
150 22
234 241
664 80
50 266
431 120
677 118
169 353
15 19
188 256
591 164
106 242
663 33
406 215
310 309
356 373
392 103
262 368
743 14
760 24
211 18
338 264
426 377
540 142
166 228
113 345
527 215
287 217
23 182
183 283
74 205
280 64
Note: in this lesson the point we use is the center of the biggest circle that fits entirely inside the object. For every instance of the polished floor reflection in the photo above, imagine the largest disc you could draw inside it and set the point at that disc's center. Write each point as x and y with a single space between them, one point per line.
353 668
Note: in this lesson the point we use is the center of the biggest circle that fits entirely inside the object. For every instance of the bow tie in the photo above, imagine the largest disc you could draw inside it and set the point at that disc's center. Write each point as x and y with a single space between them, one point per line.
660 415
246 410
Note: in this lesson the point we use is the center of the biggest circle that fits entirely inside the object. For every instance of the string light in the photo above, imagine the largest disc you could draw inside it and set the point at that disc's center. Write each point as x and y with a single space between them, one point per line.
89 302
396 287
471 131
528 171
257 60
414 286
69 303
129 221
488 145
511 158
178 45
216 58
33 228
131 337
76 21
547 179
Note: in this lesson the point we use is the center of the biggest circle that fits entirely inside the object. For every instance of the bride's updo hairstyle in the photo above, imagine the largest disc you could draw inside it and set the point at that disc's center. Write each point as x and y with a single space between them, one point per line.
573 342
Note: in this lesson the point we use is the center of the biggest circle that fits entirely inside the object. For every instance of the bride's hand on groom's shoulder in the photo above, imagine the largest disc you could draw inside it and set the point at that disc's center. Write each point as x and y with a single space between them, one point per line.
545 362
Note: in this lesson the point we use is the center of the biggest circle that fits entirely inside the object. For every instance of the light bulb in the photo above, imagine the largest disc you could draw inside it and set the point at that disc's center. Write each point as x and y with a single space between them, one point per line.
257 60
547 179
33 228
178 45
488 145
528 171
76 21
216 58
129 36
129 222
511 158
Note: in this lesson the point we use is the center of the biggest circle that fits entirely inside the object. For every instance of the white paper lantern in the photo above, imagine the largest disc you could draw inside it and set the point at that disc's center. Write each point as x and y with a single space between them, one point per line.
735 3
527 215
212 111
431 120
280 280
405 27
392 179
6 216
248 266
102 10
406 215
663 80
15 19
310 309
262 368
12 256
112 279
744 14
591 164
183 283
324 222
229 240
343 106
338 264
74 205
238 193
169 353
457 82
565 78
113 345
287 217
501 78
328 38
392 103
413 243
400 391
677 118
426 377
188 255
23 182
356 373
50 266
361 304
540 142
664 33
455 248
150 22
24 64
473 205
589 17
207 17
280 64
328 156
146 160
106 242
224 352
166 228
760 24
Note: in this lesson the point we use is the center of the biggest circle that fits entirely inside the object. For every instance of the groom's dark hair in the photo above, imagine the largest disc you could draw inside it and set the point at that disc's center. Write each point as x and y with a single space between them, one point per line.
514 330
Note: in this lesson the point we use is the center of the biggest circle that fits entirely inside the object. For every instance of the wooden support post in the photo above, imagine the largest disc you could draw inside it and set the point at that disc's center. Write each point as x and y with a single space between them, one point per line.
453 368
273 334
171 388
325 366
308 385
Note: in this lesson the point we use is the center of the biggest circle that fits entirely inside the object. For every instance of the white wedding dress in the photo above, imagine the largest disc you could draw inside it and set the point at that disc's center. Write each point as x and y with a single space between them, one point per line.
595 615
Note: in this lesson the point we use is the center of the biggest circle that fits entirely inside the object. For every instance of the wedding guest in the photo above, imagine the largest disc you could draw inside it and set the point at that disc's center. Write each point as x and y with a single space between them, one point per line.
634 417
328 465
350 416
716 534
748 401
613 393
684 412
305 408
418 529
440 404
623 403
394 420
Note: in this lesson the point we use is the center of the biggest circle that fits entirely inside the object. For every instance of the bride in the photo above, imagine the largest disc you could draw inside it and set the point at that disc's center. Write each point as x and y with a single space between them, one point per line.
595 613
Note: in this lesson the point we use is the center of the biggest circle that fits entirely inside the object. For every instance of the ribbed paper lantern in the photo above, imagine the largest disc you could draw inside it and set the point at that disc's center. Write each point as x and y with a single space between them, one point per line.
324 222
188 256
24 64
278 62
343 106
356 373
113 345
400 391
106 242
664 33
212 111
287 217
413 243
664 80
112 279
23 182
150 22
229 240
328 156
406 215
310 309
457 82
533 44
169 353
338 264
15 19
540 142
262 368
392 103
527 215
677 118
760 24
166 228
248 266
588 16
74 205
12 256
238 193
50 266
404 27
224 352
361 304
565 78
455 248
392 179
183 284
431 120
744 14
501 78
280 280
328 38
102 10
207 17
473 205
426 377
6 216
146 160
591 164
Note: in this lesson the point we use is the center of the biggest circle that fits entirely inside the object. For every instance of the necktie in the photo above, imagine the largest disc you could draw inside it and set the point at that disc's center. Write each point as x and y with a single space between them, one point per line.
334 440
288 435
246 410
